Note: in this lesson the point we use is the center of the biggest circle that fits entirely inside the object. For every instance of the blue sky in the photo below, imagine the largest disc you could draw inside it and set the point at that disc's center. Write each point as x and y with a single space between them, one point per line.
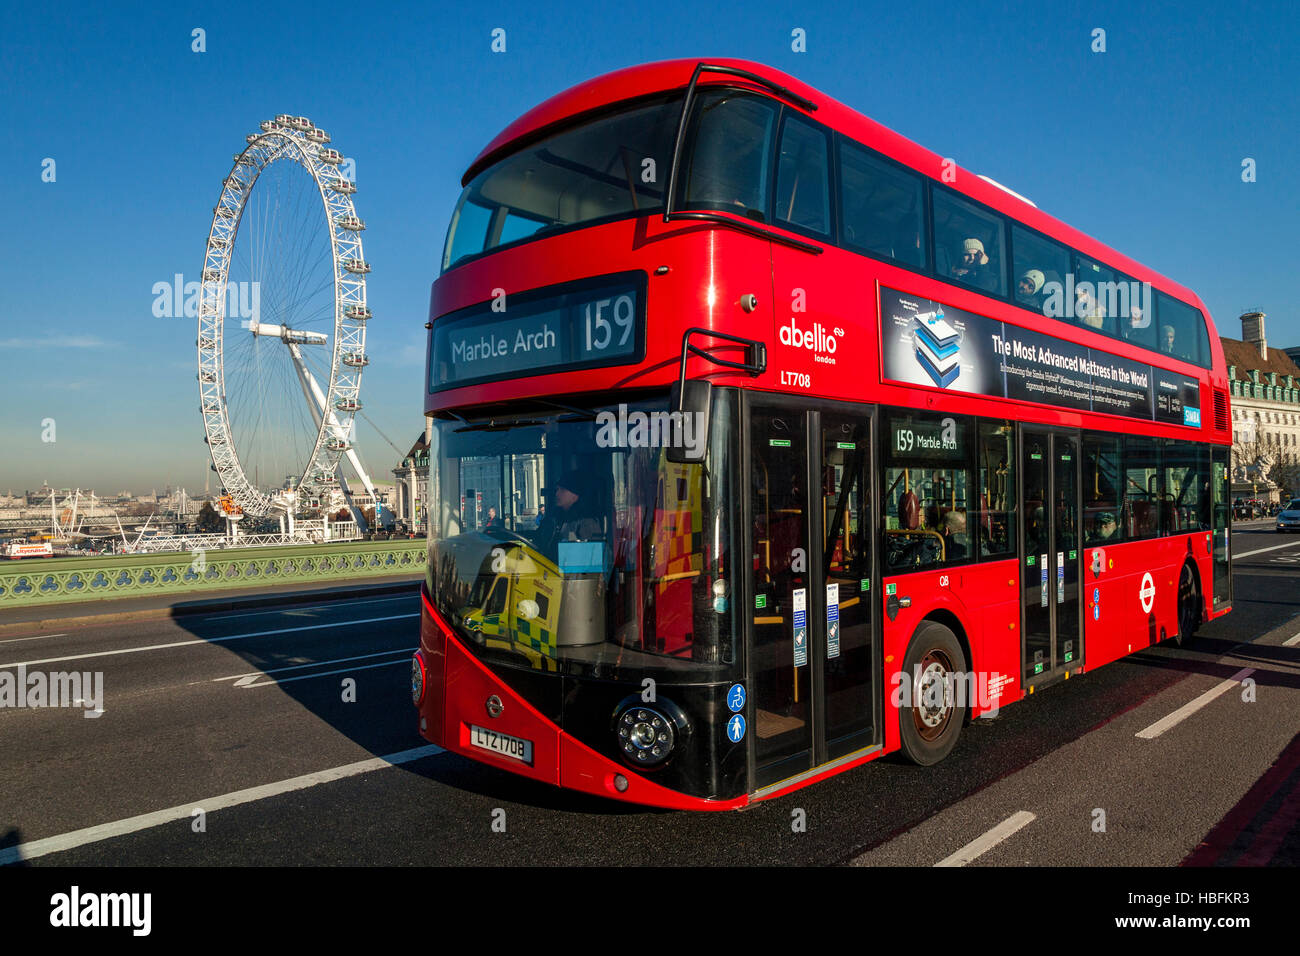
1140 146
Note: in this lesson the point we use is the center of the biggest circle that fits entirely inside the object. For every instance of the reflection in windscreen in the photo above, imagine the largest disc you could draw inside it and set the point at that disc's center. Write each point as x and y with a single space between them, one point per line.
555 550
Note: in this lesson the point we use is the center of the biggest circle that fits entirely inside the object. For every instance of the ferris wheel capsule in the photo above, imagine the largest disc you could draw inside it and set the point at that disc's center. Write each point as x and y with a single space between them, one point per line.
284 119
300 123
356 266
329 154
318 136
267 126
350 223
358 313
348 405
356 359
345 186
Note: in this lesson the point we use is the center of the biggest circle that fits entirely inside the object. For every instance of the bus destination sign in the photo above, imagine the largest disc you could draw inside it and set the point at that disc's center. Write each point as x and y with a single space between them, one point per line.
928 343
586 324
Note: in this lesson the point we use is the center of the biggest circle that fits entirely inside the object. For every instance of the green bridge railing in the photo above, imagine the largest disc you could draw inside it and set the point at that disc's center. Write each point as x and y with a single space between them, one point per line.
58 580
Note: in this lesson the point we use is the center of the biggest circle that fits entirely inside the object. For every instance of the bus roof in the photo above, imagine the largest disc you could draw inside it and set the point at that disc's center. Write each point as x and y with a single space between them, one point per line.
666 75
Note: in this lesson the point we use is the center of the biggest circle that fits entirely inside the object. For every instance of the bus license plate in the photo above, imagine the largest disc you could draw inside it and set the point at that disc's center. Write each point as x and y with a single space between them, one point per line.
515 748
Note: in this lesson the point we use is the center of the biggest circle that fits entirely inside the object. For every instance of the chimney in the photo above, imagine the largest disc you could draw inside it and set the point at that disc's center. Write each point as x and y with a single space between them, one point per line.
1252 331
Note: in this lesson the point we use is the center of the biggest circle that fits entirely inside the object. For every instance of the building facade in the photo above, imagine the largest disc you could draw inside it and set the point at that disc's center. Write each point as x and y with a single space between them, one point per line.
1265 385
411 478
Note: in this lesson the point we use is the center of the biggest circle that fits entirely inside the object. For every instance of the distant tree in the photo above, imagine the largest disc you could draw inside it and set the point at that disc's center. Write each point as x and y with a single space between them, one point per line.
208 521
343 515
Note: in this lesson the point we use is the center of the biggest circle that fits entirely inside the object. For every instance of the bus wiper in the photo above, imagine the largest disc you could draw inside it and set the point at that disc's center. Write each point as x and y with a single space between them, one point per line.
585 413
495 426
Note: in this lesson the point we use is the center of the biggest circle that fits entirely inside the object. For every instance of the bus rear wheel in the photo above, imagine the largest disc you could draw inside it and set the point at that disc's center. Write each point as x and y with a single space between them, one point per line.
1189 604
931 718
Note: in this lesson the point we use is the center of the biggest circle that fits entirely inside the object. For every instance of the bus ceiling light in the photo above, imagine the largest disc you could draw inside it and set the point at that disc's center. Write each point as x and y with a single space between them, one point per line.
648 734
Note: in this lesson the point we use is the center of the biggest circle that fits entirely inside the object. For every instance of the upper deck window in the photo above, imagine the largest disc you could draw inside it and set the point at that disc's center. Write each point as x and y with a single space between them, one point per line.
590 172
1040 269
728 156
969 245
883 207
803 192
1181 332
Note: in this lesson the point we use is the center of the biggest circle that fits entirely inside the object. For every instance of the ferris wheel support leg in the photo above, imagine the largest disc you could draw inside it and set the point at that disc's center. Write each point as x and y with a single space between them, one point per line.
316 403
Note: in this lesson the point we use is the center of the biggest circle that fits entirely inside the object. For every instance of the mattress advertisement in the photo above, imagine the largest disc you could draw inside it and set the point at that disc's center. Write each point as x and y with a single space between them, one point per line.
928 343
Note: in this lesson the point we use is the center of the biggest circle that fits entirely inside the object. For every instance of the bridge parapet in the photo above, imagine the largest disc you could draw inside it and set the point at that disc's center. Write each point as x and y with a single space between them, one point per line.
59 580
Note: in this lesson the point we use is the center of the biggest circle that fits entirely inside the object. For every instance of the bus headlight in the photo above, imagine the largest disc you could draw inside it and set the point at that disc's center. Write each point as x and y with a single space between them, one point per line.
648 734
417 679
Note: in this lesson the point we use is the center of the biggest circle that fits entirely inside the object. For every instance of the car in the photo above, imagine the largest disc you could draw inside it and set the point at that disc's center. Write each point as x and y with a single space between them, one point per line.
1288 519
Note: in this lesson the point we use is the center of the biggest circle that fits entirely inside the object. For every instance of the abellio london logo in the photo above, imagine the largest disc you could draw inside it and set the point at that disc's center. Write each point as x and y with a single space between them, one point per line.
822 342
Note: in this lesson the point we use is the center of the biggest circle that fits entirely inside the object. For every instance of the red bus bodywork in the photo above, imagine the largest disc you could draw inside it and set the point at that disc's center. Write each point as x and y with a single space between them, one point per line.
698 274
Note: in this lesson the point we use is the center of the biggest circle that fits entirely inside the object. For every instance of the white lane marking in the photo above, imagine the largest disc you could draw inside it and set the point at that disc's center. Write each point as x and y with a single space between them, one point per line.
981 845
1191 707
34 637
1291 641
209 640
240 678
1276 547
106 831
404 659
309 607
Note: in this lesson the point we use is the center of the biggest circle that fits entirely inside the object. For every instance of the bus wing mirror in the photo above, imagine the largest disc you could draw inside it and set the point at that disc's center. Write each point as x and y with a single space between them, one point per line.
690 401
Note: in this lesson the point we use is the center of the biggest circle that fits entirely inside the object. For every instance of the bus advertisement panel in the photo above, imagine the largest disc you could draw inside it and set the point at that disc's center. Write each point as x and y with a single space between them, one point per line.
928 343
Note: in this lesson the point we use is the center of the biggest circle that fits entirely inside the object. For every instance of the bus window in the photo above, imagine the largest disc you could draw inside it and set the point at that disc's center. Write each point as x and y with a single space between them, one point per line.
1040 267
1095 296
582 174
1187 482
1181 329
1101 498
726 167
995 463
882 208
926 494
468 232
1140 515
803 192
969 246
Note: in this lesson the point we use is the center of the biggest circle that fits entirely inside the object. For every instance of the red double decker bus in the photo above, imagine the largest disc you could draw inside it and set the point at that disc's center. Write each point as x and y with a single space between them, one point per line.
766 442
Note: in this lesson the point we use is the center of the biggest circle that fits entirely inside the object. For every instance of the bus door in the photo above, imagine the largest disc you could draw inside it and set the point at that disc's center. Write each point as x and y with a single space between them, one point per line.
811 633
1050 554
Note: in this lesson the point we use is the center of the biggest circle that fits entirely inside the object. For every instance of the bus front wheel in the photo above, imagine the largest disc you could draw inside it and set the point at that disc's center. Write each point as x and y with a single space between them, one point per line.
930 715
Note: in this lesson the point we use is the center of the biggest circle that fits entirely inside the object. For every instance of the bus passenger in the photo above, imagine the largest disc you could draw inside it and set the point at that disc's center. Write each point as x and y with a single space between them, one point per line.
973 266
1132 327
1029 288
954 532
1087 309
1167 339
1104 529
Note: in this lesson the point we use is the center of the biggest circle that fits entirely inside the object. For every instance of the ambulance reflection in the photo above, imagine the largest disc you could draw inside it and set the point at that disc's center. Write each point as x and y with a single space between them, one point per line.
515 604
